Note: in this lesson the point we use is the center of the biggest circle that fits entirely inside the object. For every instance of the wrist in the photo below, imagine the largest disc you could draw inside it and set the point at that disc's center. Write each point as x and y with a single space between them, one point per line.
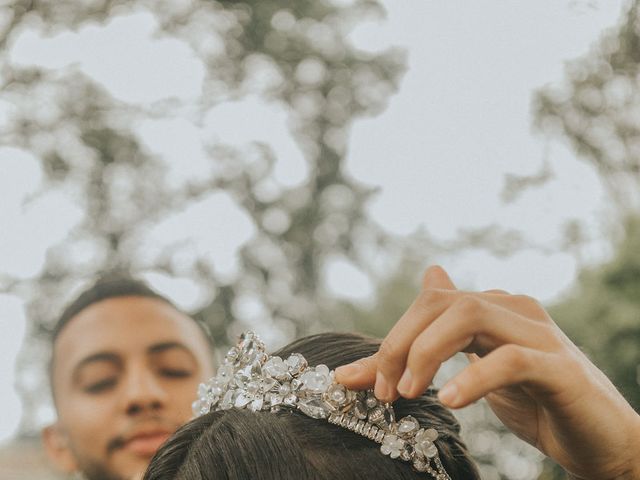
628 469
632 468
634 444
631 471
635 441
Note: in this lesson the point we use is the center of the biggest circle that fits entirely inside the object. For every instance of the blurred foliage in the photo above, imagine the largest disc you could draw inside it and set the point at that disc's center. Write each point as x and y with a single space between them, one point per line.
602 315
87 146
393 295
597 108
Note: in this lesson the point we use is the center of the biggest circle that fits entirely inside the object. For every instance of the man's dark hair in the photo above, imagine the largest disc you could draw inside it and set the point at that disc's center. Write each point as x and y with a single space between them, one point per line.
287 445
105 287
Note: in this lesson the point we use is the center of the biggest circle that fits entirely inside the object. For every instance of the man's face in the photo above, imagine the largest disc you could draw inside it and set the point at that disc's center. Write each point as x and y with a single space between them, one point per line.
125 373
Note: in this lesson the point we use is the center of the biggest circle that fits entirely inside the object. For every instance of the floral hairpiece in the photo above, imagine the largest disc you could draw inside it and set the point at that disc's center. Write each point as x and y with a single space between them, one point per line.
249 378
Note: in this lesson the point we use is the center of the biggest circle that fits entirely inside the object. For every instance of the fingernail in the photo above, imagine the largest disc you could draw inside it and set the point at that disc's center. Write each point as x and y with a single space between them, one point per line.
349 370
382 391
404 386
449 394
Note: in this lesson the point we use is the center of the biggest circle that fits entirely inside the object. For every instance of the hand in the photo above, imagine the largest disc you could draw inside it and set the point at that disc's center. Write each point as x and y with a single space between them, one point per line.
540 385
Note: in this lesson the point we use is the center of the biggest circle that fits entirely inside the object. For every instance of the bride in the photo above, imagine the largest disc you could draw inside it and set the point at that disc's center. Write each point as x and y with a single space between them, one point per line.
284 417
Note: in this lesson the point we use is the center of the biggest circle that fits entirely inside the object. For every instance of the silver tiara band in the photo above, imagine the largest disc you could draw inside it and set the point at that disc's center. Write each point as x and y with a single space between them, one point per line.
251 379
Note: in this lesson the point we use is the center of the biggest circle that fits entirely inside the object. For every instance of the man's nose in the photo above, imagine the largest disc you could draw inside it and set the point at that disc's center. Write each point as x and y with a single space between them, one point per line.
143 392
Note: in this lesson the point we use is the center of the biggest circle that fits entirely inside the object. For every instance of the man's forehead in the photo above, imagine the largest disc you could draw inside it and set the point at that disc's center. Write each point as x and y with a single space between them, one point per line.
123 325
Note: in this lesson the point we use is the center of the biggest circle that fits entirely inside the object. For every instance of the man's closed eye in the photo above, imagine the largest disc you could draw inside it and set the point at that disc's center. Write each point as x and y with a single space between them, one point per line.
101 385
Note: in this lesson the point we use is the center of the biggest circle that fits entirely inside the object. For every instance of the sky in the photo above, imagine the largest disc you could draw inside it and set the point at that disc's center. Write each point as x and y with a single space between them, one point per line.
439 153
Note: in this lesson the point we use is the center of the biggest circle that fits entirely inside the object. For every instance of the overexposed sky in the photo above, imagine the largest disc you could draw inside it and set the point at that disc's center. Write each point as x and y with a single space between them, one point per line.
460 122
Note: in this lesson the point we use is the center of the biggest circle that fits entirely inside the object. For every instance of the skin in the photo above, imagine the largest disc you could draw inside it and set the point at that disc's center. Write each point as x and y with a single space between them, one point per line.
533 377
126 371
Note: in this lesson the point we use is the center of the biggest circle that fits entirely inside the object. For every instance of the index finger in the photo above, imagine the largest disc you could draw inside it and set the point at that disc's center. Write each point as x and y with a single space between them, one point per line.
362 373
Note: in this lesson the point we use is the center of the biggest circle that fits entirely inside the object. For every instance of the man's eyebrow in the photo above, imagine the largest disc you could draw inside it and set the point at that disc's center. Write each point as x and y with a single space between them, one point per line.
164 346
97 357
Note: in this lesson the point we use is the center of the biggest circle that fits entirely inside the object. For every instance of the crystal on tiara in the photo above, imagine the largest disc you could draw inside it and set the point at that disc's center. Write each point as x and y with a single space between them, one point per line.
249 378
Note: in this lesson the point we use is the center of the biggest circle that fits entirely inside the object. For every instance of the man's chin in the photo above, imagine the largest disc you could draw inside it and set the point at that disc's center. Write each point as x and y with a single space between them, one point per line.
99 472
95 471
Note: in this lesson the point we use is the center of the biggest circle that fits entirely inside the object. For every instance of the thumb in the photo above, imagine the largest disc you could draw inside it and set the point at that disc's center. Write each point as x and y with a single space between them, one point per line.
359 375
436 277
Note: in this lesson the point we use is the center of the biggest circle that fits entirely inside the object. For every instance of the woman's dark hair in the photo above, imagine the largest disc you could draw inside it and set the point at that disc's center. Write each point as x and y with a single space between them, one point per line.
287 445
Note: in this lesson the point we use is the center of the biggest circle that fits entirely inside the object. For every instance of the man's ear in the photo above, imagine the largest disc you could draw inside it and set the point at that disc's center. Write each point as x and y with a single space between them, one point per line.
56 444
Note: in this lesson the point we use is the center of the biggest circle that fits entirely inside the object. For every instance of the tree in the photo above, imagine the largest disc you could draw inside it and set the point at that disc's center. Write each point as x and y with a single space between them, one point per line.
602 313
85 140
596 111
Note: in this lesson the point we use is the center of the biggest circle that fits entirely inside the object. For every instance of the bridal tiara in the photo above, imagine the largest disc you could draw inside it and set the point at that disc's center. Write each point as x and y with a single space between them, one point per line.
250 378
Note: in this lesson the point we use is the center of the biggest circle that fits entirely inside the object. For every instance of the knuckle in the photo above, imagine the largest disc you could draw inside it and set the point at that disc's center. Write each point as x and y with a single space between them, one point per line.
388 352
368 364
550 335
553 337
470 305
420 351
529 302
475 373
516 358
430 296
531 308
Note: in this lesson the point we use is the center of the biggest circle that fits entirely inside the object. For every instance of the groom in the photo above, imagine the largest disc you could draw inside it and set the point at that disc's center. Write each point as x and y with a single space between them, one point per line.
125 368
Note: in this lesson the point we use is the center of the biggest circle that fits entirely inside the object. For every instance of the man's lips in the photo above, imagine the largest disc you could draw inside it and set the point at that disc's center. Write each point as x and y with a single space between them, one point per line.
143 436
145 444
